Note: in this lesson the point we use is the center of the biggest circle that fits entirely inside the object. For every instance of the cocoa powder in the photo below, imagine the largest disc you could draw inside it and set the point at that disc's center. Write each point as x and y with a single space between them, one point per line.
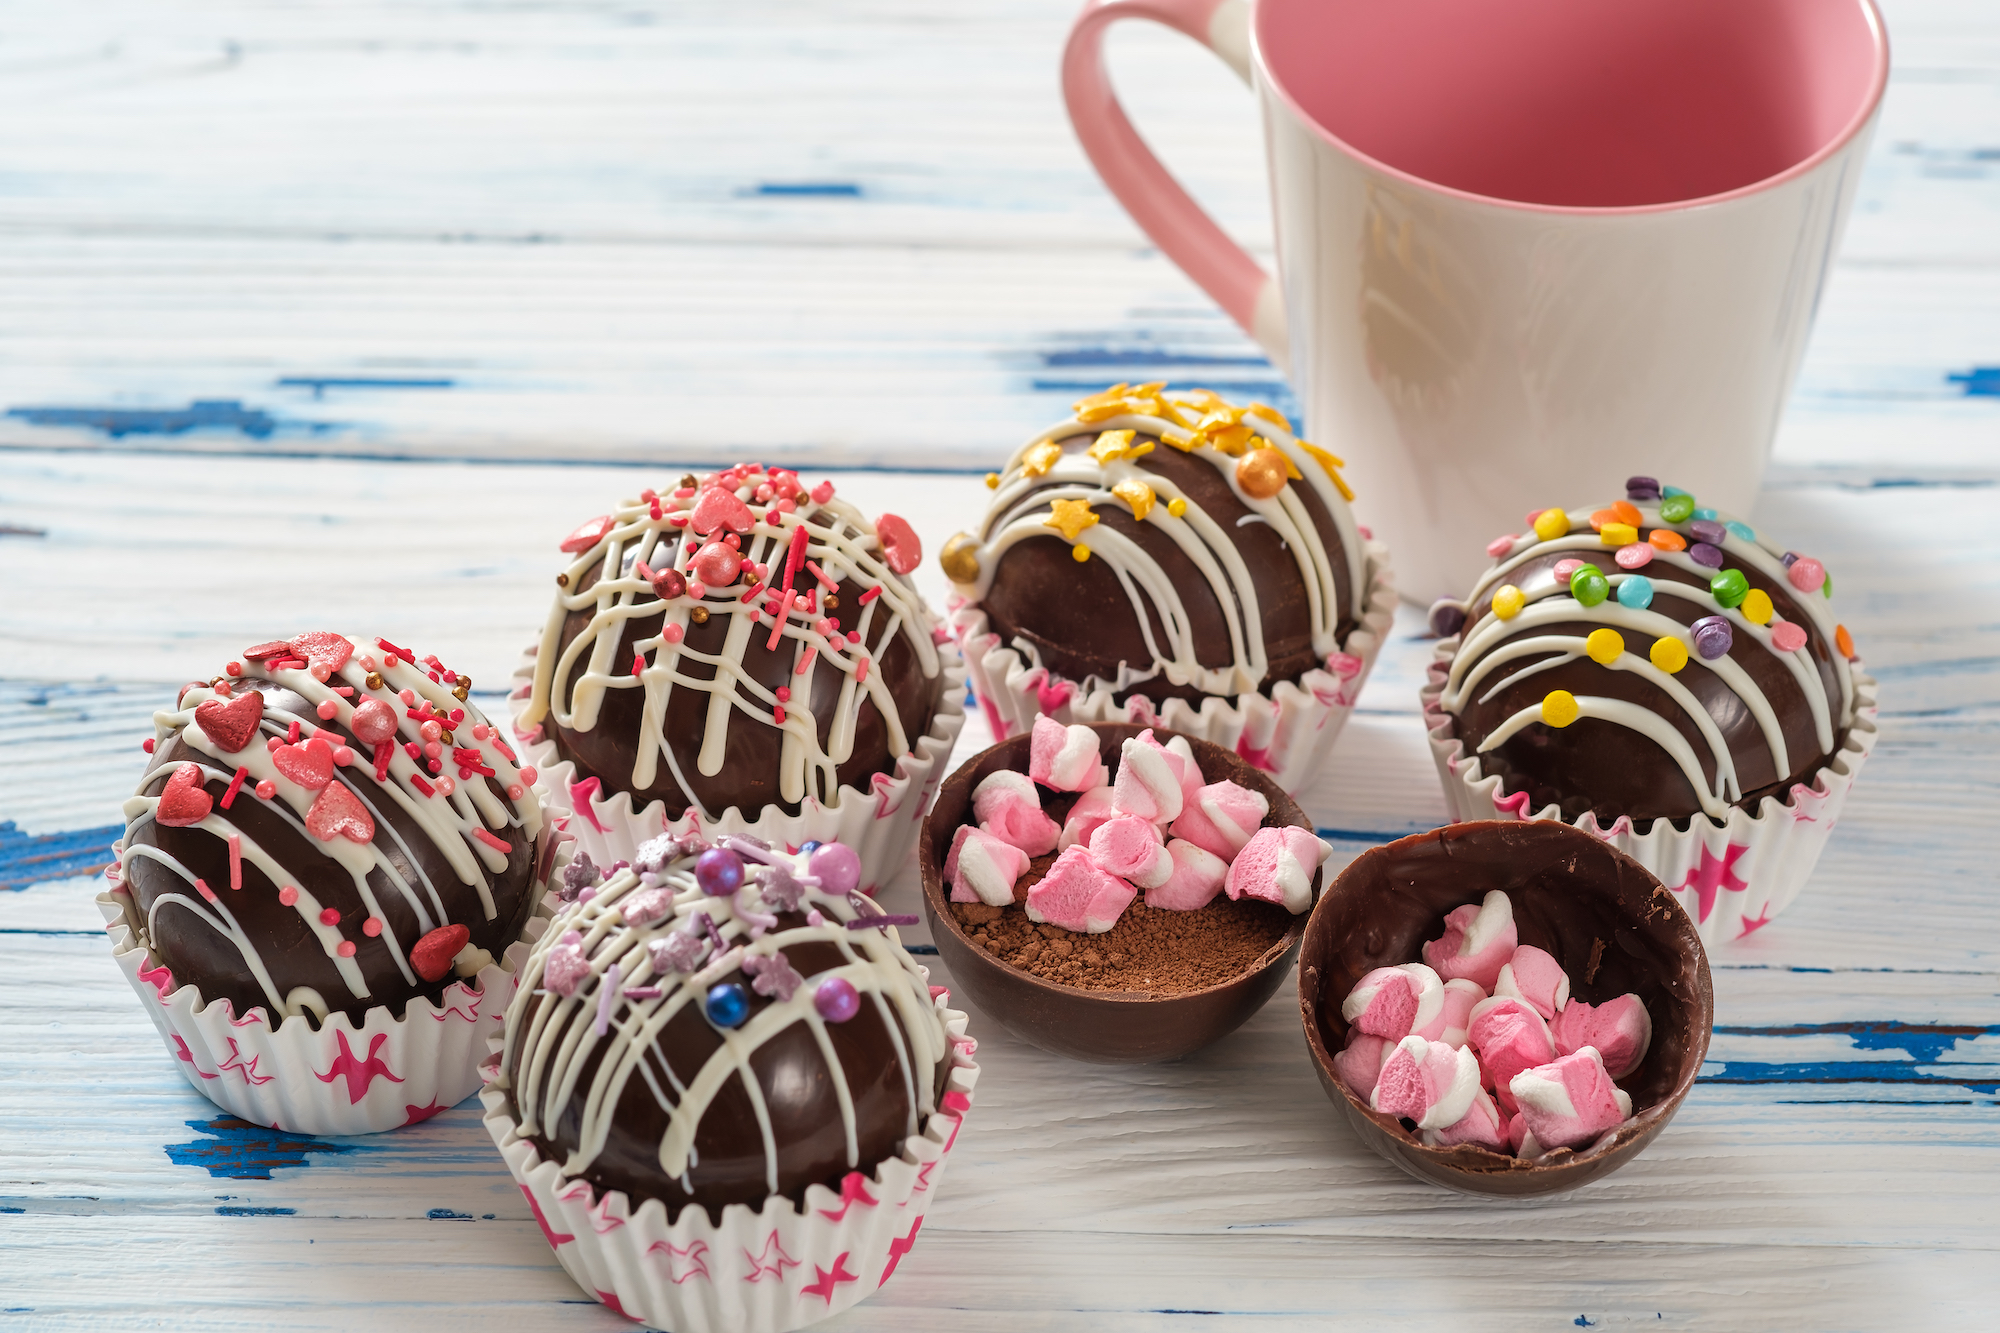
1150 950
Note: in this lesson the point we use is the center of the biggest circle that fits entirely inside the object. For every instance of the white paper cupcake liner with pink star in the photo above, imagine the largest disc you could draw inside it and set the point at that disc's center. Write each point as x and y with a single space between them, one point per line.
880 824
1287 733
767 1270
337 1078
1732 877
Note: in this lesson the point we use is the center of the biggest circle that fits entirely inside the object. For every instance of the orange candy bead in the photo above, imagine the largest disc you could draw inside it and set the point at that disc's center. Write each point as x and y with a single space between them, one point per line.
1843 641
1621 512
1666 539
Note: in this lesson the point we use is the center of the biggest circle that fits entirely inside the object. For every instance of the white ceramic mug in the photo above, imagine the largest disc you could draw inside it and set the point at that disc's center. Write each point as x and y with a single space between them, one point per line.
1526 248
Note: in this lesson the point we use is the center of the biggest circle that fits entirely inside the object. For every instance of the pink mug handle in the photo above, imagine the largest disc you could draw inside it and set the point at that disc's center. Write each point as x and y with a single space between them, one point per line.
1150 194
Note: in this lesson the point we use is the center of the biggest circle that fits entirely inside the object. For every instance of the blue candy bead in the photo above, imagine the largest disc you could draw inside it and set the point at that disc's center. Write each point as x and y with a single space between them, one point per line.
1635 592
809 846
1671 491
1705 514
728 1004
1743 530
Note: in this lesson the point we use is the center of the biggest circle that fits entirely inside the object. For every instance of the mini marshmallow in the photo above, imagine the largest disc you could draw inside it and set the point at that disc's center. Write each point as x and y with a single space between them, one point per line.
1129 847
1569 1102
1428 1082
1197 878
1460 997
1509 1036
1277 866
1222 818
1360 1064
1148 785
1518 1137
983 868
1007 806
1076 895
1620 1029
1481 1125
1065 758
1091 809
1394 1002
1534 976
1478 941
1191 782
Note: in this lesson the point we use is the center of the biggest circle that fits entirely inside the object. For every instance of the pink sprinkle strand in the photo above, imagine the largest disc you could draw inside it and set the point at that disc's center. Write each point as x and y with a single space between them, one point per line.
607 995
805 661
205 891
236 856
861 671
813 568
235 785
495 843
870 595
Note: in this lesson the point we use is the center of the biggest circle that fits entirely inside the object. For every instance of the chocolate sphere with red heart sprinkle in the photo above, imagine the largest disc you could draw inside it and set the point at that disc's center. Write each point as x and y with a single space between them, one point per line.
330 826
742 641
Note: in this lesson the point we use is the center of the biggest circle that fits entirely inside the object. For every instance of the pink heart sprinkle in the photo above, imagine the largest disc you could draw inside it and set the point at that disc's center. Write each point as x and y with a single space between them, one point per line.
339 811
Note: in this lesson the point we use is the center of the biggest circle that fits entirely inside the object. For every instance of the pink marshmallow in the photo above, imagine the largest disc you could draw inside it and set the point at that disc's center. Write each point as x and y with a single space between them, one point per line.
1221 818
1394 1002
1428 1082
1478 941
1277 866
1148 785
1509 1037
1091 809
1360 1064
1535 977
1129 847
1460 995
1065 758
1481 1125
1076 895
983 868
1570 1102
1007 806
1620 1029
1180 758
1518 1138
1196 879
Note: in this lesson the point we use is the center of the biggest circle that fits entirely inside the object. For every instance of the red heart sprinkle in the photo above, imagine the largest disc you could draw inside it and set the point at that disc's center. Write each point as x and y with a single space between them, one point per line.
324 653
182 800
432 954
373 721
901 549
231 725
719 508
338 810
587 535
275 648
309 764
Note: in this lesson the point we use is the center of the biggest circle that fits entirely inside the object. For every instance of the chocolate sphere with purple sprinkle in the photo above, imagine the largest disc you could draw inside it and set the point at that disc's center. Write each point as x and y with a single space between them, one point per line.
1717 677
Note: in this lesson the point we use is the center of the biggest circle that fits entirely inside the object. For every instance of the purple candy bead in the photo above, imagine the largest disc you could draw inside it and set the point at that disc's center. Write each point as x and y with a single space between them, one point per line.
836 866
1642 488
836 1000
1447 619
1712 637
719 872
1704 554
1791 558
1707 531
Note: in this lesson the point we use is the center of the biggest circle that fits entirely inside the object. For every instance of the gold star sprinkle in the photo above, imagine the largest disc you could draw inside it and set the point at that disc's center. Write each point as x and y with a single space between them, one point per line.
1039 459
1272 415
1070 517
1111 445
1137 494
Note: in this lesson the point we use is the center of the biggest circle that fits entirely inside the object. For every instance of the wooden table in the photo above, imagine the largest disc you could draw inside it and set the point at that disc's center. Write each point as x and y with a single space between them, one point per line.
338 315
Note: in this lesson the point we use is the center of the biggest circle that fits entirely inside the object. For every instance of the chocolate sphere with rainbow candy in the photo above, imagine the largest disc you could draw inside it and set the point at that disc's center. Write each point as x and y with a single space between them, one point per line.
1652 670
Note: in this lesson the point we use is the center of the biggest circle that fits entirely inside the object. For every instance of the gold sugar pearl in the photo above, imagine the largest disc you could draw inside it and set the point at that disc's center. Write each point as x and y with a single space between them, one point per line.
960 558
1261 473
562 580
831 602
374 680
699 615
688 482
444 738
462 689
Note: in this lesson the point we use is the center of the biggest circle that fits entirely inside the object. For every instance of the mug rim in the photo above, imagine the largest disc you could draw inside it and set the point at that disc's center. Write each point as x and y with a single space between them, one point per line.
1878 84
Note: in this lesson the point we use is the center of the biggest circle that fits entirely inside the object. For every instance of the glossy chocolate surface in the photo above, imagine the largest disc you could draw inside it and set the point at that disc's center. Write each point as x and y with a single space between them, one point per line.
1104 1027
1598 765
797 1089
199 956
1081 620
1611 925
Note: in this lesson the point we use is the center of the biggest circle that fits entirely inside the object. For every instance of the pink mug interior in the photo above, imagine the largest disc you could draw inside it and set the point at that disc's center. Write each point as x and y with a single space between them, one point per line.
1580 103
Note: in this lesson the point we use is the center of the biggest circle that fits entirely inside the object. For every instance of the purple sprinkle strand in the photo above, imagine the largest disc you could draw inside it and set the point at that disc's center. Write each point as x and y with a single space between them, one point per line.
607 995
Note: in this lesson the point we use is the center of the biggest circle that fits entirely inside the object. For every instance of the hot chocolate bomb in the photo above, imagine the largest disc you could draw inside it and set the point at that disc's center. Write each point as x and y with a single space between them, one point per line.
294 848
1648 660
740 642
1172 546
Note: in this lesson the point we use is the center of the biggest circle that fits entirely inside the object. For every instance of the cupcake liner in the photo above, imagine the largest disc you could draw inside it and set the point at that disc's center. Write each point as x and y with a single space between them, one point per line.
1288 733
880 824
338 1078
1731 878
765 1271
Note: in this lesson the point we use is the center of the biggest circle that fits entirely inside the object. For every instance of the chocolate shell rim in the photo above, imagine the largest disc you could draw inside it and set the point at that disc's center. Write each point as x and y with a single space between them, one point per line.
1845 762
1284 811
1477 1168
